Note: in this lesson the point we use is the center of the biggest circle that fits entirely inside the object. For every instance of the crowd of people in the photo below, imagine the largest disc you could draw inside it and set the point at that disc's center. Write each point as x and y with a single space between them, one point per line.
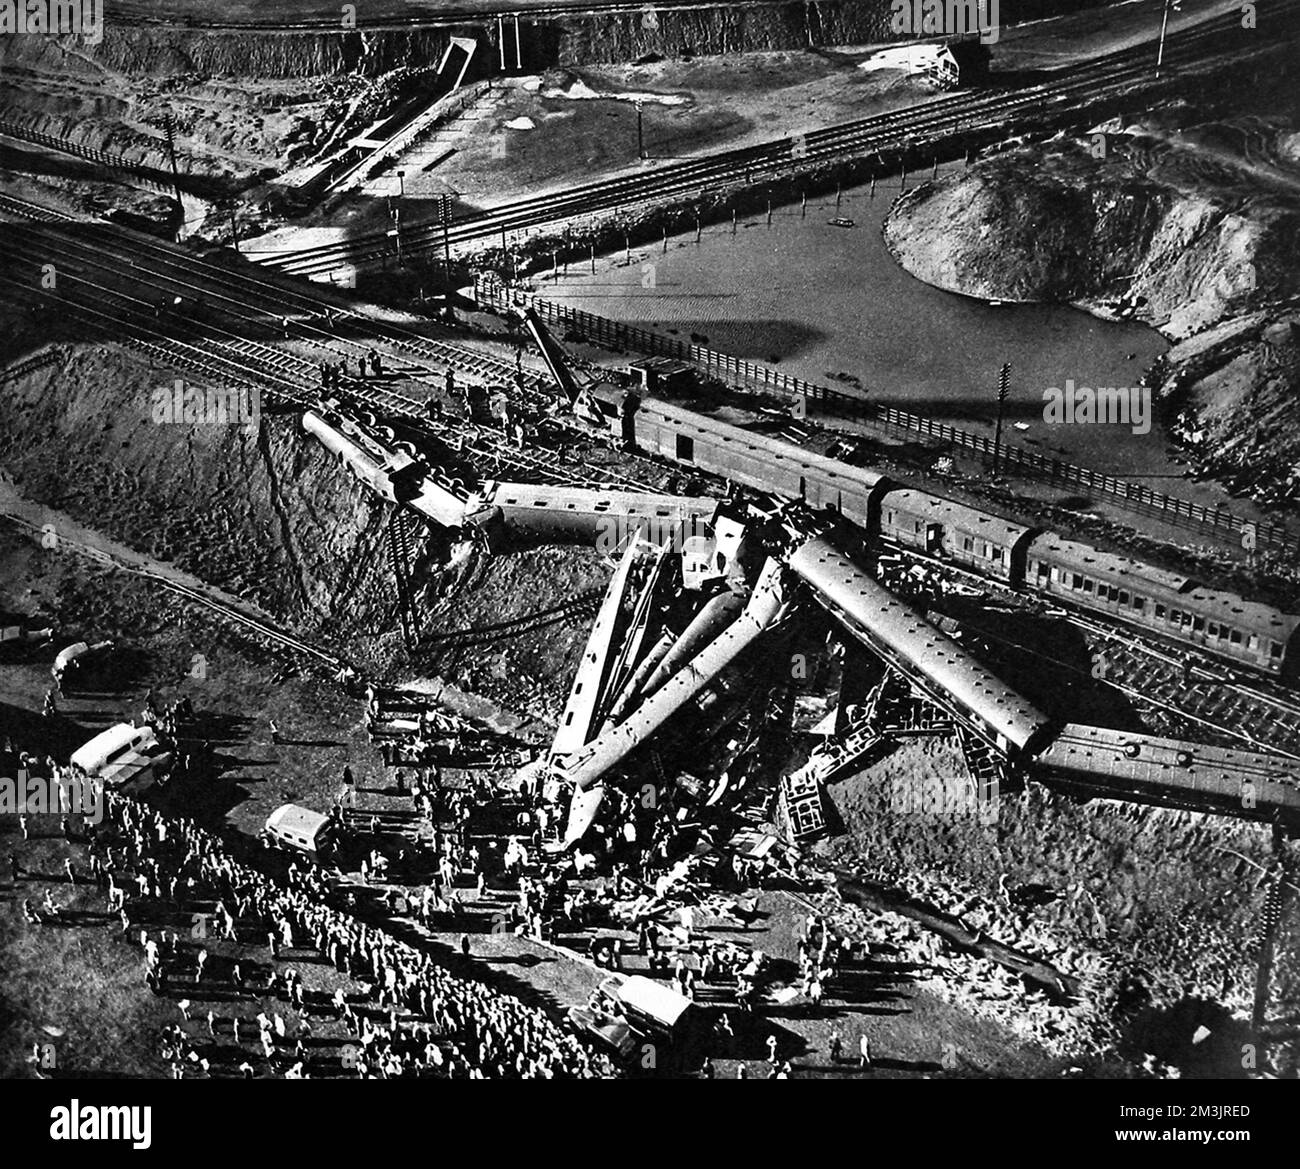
415 1018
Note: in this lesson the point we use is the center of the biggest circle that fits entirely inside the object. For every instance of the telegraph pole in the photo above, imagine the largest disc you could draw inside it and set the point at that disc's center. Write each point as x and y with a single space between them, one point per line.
169 124
1164 24
446 234
640 130
1004 388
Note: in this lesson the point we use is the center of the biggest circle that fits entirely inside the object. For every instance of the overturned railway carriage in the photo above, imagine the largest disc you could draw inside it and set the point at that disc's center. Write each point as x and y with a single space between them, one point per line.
1101 762
393 474
612 517
919 651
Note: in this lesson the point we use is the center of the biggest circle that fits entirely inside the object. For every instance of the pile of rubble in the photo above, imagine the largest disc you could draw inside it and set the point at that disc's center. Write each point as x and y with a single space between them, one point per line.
985 989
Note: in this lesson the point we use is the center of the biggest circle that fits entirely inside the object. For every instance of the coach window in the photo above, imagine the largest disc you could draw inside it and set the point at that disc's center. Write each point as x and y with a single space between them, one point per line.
685 448
967 544
1087 584
1252 642
1139 605
1274 650
1123 596
1214 629
1077 582
1234 635
1160 612
1198 625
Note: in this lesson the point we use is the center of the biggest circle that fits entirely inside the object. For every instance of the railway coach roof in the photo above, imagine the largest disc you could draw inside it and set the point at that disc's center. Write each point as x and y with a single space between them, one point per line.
938 510
846 588
1249 615
1093 562
1145 758
692 423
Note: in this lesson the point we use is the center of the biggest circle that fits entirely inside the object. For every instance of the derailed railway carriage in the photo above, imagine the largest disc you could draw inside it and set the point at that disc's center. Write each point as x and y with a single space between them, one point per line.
759 461
1149 769
393 474
922 653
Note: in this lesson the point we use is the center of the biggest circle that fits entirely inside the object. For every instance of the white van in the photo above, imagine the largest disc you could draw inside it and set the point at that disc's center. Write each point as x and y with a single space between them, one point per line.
651 1007
293 826
123 753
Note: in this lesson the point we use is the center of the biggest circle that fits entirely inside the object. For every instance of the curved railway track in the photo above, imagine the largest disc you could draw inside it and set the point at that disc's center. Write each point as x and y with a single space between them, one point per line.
218 343
584 604
881 134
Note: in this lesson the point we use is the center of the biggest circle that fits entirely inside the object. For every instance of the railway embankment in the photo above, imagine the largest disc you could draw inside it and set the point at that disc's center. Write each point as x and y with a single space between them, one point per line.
238 497
1192 226
1151 910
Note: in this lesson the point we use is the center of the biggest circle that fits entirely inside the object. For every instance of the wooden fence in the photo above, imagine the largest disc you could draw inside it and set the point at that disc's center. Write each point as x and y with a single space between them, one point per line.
610 334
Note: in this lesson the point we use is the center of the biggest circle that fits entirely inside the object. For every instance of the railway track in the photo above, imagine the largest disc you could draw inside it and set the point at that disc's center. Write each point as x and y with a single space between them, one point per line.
217 342
228 611
25 209
881 134
1146 672
584 604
